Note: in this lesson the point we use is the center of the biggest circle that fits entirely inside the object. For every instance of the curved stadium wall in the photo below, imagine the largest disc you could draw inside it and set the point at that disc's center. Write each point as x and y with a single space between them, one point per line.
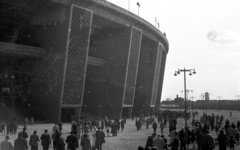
85 57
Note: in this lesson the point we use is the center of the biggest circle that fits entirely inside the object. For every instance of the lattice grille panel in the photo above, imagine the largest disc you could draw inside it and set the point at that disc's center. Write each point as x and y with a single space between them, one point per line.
132 67
77 55
156 75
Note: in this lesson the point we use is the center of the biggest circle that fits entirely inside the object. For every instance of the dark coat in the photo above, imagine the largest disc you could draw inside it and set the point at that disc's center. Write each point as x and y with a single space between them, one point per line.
20 144
122 124
200 138
222 141
100 137
46 140
72 142
183 136
208 142
174 144
149 141
154 125
85 143
24 134
59 143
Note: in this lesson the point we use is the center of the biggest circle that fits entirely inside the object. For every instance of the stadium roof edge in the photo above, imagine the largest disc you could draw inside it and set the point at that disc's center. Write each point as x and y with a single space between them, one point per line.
113 7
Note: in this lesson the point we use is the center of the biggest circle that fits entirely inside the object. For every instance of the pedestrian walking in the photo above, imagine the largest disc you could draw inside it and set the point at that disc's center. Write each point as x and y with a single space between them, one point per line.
25 123
175 142
55 128
24 133
147 123
74 127
46 140
32 120
231 132
60 124
154 126
58 142
6 144
165 140
222 140
34 139
20 143
2 128
100 138
149 142
159 142
183 137
79 130
162 125
208 142
85 142
94 137
122 124
72 142
85 128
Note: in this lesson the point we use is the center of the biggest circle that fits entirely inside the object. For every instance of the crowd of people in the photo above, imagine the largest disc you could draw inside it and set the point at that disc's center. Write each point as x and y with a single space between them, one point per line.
196 137
10 127
88 134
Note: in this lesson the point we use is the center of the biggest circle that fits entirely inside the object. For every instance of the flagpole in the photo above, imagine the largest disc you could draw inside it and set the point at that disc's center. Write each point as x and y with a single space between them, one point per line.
138 11
138 4
128 5
155 21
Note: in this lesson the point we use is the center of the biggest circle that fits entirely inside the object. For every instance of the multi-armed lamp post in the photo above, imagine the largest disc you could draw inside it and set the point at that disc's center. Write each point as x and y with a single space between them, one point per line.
192 103
191 72
187 91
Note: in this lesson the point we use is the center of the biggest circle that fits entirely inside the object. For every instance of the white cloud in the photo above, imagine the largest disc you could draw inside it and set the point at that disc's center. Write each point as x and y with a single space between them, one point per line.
224 36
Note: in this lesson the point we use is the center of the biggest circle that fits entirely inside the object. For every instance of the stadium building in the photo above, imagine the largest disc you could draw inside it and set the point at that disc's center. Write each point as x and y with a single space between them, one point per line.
63 59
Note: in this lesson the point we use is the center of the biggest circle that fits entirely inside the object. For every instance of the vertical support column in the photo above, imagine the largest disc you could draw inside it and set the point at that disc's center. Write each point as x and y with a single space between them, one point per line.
156 76
160 82
132 69
79 113
80 23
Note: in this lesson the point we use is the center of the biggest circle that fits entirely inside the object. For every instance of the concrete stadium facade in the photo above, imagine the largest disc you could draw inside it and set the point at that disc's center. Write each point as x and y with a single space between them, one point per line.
68 58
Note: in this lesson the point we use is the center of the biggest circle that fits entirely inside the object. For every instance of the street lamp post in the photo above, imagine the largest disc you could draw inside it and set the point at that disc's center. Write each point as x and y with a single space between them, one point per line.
219 97
192 71
202 97
187 91
238 96
192 103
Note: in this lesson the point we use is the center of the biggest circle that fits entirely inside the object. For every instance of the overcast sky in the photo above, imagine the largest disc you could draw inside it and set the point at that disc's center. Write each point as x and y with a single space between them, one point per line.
202 34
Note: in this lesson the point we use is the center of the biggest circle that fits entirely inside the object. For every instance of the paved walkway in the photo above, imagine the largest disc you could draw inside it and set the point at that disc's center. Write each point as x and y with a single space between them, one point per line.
129 139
